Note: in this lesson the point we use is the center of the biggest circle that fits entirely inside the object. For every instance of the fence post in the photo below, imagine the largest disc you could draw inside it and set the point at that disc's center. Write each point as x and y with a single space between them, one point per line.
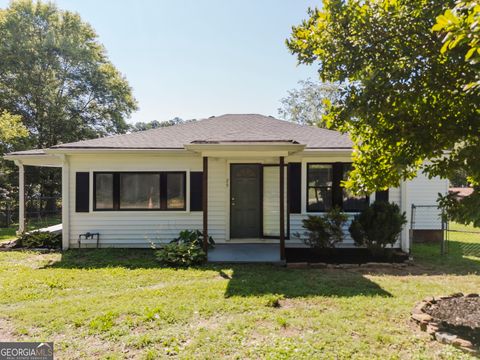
7 214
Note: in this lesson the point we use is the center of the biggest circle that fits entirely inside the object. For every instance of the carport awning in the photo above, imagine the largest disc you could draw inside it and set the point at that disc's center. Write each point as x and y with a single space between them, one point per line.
35 158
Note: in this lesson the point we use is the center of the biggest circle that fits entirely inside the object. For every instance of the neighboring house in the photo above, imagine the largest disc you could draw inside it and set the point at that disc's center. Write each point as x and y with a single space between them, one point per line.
461 192
222 175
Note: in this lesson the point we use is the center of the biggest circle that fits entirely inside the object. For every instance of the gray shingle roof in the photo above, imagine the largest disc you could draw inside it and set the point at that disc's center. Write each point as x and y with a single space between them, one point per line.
224 128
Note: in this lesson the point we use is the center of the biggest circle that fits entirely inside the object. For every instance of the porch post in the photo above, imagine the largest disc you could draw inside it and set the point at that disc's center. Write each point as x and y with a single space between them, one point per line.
65 203
205 203
282 208
21 197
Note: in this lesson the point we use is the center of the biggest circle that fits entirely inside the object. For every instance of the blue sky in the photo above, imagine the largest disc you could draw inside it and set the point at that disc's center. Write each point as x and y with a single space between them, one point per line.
194 59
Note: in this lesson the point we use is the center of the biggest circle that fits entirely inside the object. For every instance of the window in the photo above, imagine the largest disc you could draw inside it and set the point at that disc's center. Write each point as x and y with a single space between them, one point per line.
350 201
319 187
140 191
324 188
175 190
103 191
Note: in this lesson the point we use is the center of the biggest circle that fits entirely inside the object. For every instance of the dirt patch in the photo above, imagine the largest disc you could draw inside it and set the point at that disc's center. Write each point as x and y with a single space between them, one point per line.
459 316
7 331
453 319
459 311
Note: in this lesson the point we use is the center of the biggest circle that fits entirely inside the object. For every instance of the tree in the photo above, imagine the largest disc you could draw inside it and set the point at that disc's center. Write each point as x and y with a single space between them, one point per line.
11 131
307 105
55 75
458 179
154 124
11 128
461 28
402 100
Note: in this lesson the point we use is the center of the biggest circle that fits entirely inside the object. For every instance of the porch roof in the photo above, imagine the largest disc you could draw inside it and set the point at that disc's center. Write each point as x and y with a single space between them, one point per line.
36 157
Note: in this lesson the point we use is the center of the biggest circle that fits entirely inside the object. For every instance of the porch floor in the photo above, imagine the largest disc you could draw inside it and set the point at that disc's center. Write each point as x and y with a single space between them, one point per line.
245 253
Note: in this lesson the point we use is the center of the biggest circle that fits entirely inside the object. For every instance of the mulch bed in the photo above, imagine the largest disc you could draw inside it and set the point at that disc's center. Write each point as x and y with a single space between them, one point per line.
453 319
341 256
459 316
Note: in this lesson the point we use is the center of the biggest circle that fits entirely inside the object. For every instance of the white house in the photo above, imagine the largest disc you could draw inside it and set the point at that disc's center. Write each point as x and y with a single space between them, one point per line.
222 175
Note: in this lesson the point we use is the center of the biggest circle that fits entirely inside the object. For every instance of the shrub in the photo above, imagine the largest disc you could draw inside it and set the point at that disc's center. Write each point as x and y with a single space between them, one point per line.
185 250
181 254
192 237
377 226
40 239
324 231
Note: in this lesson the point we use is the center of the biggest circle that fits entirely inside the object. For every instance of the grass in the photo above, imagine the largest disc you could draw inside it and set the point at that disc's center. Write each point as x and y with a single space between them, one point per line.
116 304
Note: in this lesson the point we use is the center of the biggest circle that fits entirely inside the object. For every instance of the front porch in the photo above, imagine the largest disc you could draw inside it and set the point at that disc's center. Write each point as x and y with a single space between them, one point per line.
245 253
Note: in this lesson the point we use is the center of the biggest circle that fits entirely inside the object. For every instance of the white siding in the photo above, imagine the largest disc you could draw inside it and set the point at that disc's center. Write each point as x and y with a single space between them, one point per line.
394 195
140 228
218 197
423 191
271 201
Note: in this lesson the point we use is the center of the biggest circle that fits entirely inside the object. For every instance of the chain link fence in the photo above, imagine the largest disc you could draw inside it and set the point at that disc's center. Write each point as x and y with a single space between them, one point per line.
40 211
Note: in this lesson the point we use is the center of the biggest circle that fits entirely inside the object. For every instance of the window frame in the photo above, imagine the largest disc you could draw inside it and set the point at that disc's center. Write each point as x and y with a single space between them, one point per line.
337 189
162 186
308 187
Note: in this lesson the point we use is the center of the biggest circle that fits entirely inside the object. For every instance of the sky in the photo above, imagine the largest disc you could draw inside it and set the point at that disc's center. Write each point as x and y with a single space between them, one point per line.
198 58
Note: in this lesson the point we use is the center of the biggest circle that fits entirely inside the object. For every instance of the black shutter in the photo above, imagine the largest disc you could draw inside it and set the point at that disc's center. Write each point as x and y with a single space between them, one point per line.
381 196
295 188
337 190
196 193
82 192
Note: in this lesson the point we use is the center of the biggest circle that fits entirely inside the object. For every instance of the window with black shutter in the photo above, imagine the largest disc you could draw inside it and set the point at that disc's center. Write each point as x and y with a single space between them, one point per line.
196 193
294 182
82 192
381 196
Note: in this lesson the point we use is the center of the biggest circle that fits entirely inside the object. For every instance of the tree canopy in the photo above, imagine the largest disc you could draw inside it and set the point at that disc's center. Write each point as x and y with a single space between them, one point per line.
56 77
11 128
402 99
154 124
461 26
55 74
307 104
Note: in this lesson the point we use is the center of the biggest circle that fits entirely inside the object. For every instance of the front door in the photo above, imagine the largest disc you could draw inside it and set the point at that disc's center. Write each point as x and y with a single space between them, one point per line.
245 200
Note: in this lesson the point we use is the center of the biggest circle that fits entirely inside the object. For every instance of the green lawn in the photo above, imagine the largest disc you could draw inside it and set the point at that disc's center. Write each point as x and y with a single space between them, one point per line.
120 304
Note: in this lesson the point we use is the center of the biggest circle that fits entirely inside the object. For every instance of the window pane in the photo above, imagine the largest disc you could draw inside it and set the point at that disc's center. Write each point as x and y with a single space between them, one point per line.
319 199
175 190
351 202
319 187
319 175
104 191
139 191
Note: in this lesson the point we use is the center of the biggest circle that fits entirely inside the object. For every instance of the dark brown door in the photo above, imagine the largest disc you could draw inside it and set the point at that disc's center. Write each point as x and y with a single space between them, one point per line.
245 200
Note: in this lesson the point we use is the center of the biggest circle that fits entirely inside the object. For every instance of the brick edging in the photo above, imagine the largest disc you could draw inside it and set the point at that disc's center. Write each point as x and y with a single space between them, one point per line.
434 327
